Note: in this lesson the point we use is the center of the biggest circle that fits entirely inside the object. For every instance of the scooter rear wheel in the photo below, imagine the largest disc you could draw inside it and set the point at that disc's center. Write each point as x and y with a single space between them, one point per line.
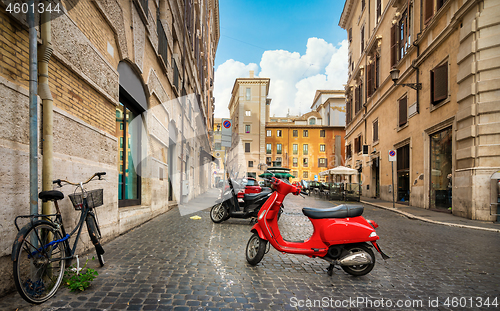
256 248
218 213
360 270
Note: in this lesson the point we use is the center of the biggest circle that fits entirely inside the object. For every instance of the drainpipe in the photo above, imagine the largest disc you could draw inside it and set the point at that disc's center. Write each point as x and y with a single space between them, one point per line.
33 111
43 83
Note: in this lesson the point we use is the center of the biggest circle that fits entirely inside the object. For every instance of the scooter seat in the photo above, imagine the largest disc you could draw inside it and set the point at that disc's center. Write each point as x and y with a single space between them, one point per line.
340 211
249 197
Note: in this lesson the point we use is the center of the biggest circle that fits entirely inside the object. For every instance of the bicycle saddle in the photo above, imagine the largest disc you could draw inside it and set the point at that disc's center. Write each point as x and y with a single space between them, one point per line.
51 195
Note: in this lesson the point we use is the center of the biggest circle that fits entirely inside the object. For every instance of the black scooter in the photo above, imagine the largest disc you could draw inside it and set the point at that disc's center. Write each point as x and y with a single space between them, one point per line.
228 206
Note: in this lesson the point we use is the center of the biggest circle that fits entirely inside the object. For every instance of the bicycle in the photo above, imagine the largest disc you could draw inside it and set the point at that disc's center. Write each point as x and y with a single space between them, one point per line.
42 249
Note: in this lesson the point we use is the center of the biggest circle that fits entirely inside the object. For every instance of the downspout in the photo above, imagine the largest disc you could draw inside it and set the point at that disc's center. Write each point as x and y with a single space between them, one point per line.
33 110
48 114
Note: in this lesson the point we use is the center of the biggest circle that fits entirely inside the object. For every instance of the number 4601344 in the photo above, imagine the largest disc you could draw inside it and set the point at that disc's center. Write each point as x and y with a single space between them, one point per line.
41 7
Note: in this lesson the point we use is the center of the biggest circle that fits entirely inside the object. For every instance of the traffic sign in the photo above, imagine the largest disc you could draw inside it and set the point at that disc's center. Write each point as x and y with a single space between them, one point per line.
392 155
226 132
227 124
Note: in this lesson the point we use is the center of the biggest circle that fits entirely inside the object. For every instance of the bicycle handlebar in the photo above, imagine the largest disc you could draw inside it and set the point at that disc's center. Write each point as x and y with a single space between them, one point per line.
59 181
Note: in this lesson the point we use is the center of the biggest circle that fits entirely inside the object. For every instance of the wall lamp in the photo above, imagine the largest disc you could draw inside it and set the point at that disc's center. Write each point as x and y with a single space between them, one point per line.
395 77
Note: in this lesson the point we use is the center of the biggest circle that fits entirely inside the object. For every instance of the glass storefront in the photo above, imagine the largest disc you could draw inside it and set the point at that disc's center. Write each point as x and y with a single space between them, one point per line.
441 169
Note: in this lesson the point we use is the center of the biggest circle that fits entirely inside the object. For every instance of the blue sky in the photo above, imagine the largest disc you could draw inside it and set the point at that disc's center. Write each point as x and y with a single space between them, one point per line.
297 44
248 28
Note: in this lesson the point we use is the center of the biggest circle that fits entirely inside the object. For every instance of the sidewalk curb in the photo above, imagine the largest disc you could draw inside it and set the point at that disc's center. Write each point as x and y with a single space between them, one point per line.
411 216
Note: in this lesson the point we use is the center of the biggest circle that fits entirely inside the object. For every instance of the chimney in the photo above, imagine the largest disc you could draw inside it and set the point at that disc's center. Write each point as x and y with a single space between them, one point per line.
251 73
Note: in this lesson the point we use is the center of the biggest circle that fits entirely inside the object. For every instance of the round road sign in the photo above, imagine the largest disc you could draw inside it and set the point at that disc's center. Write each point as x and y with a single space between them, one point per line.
392 153
227 124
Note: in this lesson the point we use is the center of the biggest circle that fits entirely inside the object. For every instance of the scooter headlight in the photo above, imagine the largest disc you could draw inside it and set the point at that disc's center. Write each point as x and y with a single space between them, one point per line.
261 215
373 234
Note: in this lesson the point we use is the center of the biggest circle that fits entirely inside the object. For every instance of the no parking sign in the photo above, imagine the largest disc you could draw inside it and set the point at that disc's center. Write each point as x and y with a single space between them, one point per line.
392 155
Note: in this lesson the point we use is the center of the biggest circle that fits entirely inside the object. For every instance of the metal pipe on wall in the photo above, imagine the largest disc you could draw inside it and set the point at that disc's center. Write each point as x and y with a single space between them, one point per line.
44 55
33 110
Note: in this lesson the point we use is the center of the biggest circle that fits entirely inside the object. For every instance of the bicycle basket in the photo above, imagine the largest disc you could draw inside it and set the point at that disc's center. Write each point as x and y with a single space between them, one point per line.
94 199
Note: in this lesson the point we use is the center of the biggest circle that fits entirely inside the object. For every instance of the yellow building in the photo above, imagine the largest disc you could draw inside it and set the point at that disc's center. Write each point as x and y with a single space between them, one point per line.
304 145
444 123
218 152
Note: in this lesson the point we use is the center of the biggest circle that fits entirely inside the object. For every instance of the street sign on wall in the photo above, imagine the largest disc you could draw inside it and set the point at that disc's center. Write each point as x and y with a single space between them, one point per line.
392 155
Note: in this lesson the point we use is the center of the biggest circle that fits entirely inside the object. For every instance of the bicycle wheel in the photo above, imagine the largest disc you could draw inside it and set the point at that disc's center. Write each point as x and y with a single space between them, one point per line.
95 237
39 264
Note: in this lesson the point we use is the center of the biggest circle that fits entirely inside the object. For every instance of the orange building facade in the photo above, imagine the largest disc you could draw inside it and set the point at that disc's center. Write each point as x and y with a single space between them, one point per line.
306 150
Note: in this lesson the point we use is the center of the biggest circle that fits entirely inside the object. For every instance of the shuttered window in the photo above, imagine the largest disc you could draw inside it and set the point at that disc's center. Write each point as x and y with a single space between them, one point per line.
439 83
350 35
375 131
403 113
356 100
394 45
348 110
428 10
369 80
348 152
379 9
362 39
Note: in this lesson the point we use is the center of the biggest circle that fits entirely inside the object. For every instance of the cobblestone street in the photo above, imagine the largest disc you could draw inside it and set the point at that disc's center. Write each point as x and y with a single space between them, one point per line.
174 262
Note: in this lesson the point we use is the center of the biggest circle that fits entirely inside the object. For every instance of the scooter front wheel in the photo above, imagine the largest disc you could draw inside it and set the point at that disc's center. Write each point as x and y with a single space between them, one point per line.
218 213
256 249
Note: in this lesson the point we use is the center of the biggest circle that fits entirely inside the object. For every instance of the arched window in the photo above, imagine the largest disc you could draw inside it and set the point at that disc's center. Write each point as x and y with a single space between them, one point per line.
312 121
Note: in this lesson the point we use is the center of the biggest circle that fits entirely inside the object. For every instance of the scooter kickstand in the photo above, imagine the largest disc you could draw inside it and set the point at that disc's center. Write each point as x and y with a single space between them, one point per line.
330 269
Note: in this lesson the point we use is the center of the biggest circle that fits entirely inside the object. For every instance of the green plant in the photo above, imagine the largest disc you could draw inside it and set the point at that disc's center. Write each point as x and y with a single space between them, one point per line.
79 278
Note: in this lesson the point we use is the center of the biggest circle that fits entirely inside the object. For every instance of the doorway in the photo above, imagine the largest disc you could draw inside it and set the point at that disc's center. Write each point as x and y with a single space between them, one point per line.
403 171
376 176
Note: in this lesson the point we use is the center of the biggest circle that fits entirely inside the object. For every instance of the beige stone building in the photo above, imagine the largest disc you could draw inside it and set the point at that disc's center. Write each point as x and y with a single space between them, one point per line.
445 123
249 110
117 76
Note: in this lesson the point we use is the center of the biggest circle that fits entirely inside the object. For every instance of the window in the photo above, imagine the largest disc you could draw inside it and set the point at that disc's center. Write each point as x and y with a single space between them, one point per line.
248 94
362 5
305 162
269 149
358 144
218 146
322 162
247 128
401 37
129 182
348 108
403 114
269 161
247 147
295 162
268 133
362 36
278 133
379 10
248 113
305 133
278 161
312 121
295 149
278 149
295 133
304 149
350 35
358 98
375 131
305 174
439 83
428 10
322 133
348 151
250 163
322 148
372 75
295 173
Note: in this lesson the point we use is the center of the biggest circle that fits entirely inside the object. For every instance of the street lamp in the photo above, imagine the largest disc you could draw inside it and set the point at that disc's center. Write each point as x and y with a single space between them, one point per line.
395 77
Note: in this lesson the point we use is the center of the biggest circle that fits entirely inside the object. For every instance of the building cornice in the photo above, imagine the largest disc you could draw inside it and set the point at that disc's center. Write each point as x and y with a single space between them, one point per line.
346 13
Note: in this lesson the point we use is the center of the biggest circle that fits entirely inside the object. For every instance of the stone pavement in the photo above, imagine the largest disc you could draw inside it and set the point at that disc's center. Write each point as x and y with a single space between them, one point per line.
431 216
177 263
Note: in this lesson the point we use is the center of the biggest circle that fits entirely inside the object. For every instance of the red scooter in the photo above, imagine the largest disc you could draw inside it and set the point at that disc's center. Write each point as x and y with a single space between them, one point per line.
341 234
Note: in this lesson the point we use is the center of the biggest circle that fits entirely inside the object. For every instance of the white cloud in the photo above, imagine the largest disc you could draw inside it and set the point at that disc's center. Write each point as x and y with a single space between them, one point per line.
225 75
294 78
